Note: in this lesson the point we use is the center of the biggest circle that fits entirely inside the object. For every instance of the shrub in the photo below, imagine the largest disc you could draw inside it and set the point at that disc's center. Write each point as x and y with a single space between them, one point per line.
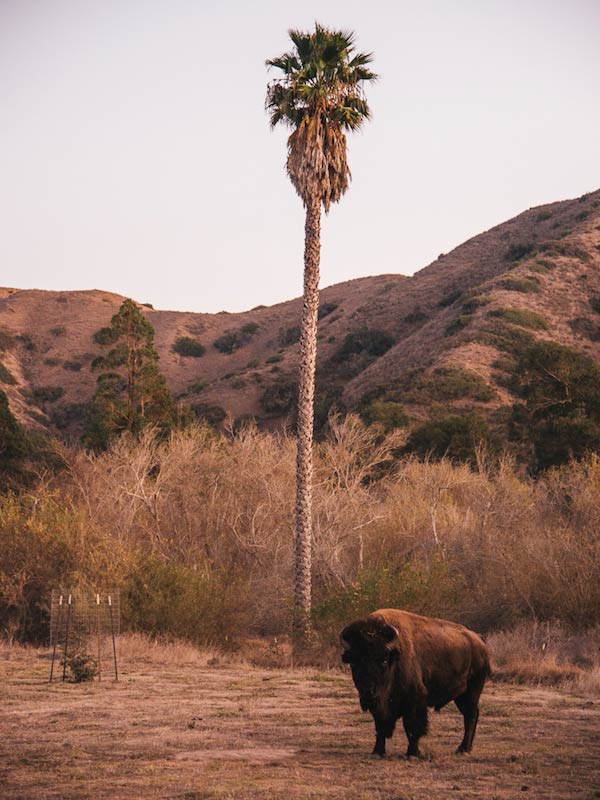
148 305
48 394
6 376
253 363
522 317
210 413
543 216
274 359
471 304
69 414
417 315
81 666
188 347
370 341
458 324
450 298
74 366
288 336
105 336
27 342
523 284
231 341
196 387
7 340
387 413
52 362
585 327
59 330
325 309
595 304
280 397
454 437
518 250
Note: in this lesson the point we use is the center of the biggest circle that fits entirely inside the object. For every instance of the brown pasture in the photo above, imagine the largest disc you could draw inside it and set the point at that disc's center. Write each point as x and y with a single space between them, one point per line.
183 726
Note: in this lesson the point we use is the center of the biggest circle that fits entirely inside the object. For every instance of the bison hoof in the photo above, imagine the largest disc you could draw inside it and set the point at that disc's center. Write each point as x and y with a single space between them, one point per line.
462 751
378 752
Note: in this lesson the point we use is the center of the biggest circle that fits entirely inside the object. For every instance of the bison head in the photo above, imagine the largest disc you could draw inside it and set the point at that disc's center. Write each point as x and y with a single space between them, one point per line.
371 650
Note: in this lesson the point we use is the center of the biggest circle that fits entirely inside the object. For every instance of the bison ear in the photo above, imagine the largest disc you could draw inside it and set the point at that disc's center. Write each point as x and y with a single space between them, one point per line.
389 633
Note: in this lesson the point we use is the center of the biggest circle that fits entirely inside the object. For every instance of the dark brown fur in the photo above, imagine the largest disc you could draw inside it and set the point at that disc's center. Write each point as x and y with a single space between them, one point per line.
403 663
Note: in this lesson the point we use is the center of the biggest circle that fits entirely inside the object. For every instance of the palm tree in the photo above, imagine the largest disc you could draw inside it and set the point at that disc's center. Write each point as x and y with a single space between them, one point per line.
320 96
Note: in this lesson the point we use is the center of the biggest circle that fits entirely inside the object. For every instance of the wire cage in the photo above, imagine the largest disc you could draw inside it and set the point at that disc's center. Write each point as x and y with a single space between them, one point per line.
85 619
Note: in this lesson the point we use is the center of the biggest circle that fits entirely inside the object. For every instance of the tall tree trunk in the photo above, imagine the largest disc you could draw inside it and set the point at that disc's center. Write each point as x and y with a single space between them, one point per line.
306 396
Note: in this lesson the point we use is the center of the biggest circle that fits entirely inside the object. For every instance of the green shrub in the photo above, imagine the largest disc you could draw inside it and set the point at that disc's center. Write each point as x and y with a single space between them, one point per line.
387 413
585 327
7 340
288 336
231 341
105 336
59 330
175 600
52 362
522 317
27 342
325 309
188 347
474 302
274 359
455 437
595 304
48 394
6 376
543 216
450 298
68 414
518 250
81 666
211 413
196 387
370 341
253 363
415 316
280 397
74 366
458 324
519 284
426 588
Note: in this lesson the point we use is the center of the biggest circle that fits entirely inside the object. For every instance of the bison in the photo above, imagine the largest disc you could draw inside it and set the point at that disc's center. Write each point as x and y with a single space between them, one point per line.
403 663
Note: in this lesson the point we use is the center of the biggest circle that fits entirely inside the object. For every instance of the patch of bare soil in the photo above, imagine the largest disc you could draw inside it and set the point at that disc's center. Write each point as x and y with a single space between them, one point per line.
228 731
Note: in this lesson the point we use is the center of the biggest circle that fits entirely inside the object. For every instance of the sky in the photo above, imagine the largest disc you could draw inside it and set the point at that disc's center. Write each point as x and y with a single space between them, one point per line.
136 154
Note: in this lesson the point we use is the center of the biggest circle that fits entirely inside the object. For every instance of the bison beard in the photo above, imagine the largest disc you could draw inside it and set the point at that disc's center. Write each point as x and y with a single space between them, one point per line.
403 663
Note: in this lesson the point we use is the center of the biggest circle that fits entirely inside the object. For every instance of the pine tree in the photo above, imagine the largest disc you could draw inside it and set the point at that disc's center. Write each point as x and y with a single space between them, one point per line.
131 392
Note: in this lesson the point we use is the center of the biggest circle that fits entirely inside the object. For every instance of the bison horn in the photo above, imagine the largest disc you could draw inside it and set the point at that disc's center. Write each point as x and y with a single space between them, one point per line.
343 640
390 633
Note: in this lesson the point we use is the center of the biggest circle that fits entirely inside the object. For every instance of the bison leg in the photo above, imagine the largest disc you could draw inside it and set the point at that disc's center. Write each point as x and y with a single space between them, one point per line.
468 705
384 729
415 725
379 749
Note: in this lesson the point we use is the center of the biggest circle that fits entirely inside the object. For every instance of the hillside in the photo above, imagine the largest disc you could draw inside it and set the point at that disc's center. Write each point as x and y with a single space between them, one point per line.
442 336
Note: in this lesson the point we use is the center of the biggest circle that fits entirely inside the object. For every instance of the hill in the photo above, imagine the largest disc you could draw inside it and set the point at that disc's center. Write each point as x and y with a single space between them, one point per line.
444 336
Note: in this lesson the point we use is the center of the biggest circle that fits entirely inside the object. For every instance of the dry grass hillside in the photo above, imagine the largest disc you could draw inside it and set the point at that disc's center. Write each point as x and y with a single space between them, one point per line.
457 316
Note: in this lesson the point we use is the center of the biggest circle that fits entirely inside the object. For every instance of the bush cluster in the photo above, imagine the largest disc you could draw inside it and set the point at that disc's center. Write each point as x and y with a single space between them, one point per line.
197 530
189 347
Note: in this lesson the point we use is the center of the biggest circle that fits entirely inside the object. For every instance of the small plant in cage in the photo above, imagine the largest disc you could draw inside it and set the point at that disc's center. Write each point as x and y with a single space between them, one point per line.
81 665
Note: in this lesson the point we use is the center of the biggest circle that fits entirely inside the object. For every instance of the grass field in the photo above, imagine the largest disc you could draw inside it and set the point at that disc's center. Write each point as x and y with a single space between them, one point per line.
185 726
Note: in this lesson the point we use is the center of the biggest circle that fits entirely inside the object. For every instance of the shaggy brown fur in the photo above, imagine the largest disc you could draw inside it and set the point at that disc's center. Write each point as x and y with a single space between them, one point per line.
403 663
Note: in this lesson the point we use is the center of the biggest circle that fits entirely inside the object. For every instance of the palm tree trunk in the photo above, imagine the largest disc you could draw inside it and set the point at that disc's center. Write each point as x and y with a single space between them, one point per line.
306 396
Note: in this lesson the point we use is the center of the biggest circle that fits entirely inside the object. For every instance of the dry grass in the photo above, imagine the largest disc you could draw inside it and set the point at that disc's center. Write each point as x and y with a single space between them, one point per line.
182 726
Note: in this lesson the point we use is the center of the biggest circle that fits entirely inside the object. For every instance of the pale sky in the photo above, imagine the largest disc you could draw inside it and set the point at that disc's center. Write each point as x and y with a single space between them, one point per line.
136 156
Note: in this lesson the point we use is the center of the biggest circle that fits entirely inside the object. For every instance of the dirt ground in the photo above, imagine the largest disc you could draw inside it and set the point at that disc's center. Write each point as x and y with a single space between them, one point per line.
221 730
